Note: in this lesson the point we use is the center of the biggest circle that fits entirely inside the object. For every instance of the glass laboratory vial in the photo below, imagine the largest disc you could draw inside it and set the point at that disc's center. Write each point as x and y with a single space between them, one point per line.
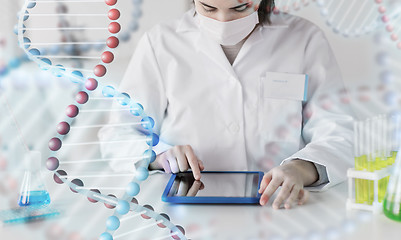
33 191
392 200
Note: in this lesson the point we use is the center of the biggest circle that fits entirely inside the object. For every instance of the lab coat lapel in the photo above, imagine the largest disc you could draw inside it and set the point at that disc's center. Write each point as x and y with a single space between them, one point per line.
214 51
277 22
254 38
205 44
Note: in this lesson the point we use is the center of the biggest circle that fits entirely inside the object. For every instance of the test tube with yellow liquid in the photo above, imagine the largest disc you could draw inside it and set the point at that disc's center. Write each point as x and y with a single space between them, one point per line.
395 129
383 153
373 149
358 146
362 142
371 157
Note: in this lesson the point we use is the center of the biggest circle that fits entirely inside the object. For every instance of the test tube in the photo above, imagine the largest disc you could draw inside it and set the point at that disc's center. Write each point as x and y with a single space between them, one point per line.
364 162
357 158
383 157
375 143
370 130
396 142
380 139
375 153
389 137
392 201
362 166
383 141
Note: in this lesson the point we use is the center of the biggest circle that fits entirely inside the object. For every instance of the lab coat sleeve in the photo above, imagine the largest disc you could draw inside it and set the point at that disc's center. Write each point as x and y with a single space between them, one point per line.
327 129
144 83
322 176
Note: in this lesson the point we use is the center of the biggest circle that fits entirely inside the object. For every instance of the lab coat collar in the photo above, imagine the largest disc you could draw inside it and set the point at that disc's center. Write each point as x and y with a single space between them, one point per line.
189 22
214 51
278 20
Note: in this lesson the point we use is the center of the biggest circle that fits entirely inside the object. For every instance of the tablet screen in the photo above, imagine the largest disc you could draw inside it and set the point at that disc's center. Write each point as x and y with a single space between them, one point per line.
215 185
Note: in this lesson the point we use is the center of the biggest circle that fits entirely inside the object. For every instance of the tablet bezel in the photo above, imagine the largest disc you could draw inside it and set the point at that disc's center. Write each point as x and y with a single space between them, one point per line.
218 200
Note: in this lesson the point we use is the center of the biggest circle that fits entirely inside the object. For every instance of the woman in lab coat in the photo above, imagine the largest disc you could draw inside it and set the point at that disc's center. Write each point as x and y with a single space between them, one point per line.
226 85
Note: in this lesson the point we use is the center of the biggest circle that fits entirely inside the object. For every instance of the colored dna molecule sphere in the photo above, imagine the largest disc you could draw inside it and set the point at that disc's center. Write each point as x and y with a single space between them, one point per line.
101 120
390 11
388 62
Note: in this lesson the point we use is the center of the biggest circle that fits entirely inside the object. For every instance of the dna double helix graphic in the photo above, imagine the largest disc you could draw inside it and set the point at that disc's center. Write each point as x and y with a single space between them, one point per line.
98 109
390 11
351 18
288 6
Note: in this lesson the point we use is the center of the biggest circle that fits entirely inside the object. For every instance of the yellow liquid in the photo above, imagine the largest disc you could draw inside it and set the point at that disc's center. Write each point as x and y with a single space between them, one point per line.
392 158
364 189
359 184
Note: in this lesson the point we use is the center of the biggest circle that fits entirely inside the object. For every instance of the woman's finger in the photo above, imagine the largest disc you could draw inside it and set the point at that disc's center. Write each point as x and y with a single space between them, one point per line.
303 196
182 161
201 166
164 163
295 192
270 189
284 194
172 160
265 181
193 163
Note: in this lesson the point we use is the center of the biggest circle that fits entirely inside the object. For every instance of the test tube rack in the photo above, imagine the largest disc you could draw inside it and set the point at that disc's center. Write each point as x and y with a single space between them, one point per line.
375 150
373 202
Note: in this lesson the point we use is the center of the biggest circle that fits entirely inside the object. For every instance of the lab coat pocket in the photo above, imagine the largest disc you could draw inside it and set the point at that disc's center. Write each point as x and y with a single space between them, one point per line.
280 115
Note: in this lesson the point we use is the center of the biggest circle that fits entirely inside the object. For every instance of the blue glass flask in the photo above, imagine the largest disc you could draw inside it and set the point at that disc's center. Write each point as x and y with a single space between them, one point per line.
33 190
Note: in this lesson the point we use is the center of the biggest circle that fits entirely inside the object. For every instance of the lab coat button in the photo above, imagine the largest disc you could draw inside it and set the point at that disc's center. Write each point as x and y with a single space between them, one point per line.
234 127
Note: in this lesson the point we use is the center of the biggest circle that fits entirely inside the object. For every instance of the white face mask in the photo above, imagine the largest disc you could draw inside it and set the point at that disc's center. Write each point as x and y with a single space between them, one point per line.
229 33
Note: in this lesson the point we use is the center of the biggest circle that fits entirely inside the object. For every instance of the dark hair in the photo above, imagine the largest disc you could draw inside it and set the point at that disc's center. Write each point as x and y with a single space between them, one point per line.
265 9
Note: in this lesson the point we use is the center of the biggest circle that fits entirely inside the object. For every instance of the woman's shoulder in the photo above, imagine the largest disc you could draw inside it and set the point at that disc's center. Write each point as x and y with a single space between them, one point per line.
174 26
293 23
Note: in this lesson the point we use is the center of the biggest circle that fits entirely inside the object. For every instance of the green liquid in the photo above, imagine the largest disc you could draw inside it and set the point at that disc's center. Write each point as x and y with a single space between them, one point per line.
388 211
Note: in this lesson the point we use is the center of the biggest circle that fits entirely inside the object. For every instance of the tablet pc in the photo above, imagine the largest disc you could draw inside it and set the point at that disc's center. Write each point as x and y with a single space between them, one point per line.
214 187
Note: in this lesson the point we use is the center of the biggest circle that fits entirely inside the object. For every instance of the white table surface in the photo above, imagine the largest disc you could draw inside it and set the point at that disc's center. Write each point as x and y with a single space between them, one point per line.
323 217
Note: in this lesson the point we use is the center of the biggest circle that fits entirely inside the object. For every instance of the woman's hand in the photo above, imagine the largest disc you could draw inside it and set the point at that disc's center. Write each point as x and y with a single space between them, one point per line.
179 159
292 176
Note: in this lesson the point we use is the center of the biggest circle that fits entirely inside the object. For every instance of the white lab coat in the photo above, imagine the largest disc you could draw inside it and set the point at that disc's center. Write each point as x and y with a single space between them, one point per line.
196 97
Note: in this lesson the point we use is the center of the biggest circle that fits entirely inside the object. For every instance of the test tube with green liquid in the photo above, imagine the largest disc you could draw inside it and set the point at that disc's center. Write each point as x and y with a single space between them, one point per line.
392 200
